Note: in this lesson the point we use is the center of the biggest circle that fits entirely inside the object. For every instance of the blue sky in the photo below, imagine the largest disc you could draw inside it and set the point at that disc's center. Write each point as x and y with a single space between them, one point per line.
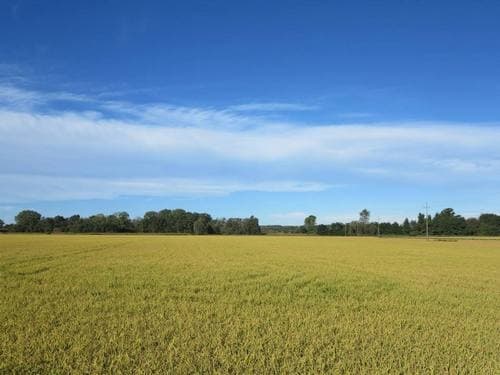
276 109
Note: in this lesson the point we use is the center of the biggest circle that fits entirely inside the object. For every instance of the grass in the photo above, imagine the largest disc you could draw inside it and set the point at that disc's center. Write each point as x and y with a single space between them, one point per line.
185 304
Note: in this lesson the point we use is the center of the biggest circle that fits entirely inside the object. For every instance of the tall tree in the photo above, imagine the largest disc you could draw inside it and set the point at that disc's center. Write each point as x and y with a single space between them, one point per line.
28 221
406 227
364 220
310 224
447 222
420 229
364 216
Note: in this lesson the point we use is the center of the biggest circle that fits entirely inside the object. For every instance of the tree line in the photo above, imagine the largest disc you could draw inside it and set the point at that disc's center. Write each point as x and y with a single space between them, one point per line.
444 223
164 221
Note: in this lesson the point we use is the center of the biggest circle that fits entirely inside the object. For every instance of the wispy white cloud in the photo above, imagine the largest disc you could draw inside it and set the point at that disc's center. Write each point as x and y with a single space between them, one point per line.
120 148
17 188
16 97
177 116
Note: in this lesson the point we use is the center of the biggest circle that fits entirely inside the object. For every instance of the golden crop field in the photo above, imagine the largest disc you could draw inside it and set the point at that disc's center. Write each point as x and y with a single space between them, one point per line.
261 304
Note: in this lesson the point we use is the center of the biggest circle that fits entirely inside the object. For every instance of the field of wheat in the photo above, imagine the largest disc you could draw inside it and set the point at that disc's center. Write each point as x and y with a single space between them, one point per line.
262 304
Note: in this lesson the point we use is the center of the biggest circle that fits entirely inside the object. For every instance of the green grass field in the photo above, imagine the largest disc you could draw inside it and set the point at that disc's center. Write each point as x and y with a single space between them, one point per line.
186 304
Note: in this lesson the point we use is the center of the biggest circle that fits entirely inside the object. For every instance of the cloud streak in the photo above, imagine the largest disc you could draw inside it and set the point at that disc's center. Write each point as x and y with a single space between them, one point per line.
21 188
107 149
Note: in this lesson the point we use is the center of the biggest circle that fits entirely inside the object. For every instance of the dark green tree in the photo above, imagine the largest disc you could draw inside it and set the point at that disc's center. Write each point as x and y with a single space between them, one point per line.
364 216
75 224
448 223
489 225
363 222
406 230
471 226
122 222
322 230
310 224
202 224
337 229
420 229
150 222
60 224
95 224
28 221
47 225
251 225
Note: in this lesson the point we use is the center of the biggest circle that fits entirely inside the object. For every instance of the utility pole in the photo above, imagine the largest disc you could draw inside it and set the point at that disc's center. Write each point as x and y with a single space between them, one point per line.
426 221
378 227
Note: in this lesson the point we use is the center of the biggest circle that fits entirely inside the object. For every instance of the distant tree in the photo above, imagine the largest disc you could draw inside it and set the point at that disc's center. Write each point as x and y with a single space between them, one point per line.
364 216
406 229
489 225
364 220
137 225
310 224
1 223
471 226
414 228
448 223
396 228
150 222
28 221
233 225
74 224
95 224
60 224
251 225
122 222
47 225
322 230
337 229
385 228
165 223
217 226
420 228
353 228
182 221
202 224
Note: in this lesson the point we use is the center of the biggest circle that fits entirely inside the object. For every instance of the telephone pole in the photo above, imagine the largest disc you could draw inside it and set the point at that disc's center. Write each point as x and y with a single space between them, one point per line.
426 221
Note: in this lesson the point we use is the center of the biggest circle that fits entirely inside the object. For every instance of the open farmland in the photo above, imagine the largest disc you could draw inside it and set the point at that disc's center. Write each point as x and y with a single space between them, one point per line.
185 304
